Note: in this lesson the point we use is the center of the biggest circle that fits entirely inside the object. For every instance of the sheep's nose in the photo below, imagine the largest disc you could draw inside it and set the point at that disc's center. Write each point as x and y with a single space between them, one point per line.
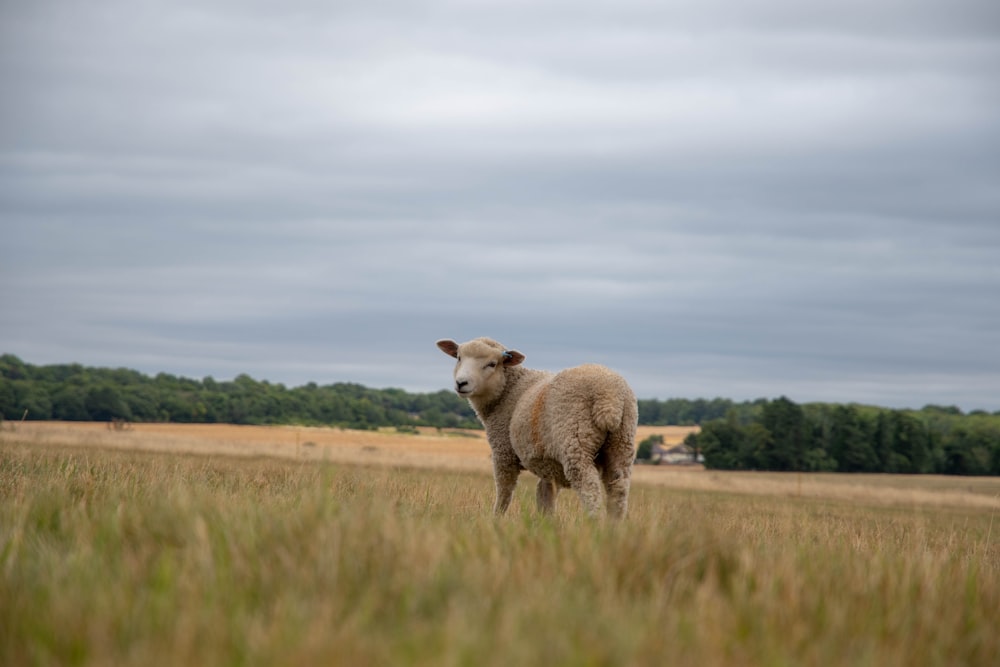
461 384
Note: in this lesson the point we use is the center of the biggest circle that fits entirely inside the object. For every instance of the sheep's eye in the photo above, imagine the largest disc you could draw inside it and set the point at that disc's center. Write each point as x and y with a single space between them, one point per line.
492 364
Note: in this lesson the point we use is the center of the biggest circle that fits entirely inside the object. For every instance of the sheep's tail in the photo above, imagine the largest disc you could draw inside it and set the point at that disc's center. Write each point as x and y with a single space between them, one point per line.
608 412
615 411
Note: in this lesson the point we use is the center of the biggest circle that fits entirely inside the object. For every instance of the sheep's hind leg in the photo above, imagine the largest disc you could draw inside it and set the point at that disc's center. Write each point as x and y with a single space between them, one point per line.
616 470
616 484
586 481
545 494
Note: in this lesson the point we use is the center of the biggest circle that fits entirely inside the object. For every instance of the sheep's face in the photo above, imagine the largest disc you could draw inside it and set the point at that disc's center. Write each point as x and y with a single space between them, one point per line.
481 366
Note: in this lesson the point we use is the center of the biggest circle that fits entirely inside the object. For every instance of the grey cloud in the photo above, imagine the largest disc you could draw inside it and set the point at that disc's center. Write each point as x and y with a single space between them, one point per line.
719 199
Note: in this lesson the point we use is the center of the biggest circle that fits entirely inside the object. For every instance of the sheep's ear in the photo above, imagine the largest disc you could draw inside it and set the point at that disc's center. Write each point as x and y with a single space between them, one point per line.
512 358
449 347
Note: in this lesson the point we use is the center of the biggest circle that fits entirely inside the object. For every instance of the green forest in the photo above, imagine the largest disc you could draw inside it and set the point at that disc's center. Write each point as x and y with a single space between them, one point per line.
784 436
73 392
751 435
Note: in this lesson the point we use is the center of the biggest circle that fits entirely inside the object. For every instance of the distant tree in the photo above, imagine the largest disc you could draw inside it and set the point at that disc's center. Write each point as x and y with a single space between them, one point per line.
786 423
818 460
851 445
105 403
70 404
34 400
720 442
967 452
644 451
142 401
910 444
649 411
8 399
12 368
691 440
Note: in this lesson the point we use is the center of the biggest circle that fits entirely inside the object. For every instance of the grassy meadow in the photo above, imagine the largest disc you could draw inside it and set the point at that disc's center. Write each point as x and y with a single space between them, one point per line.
116 556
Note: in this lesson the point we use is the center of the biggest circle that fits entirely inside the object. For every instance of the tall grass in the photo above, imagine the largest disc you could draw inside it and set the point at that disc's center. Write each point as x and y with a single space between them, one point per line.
127 558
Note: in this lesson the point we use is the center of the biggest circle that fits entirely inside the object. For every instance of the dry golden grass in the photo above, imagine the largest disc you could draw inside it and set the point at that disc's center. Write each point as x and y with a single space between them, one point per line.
468 450
429 448
116 556
893 490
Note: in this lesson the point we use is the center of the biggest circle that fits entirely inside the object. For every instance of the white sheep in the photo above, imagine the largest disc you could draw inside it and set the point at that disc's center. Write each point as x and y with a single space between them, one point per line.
572 429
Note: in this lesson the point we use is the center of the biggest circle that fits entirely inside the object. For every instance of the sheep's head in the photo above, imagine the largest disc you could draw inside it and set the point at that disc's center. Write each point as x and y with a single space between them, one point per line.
481 368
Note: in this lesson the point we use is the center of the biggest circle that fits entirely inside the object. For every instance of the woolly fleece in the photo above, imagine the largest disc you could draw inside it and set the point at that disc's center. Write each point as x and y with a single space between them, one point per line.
573 429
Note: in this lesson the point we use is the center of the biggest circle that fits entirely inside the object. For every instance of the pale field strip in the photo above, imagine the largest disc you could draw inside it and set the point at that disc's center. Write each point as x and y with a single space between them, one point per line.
469 451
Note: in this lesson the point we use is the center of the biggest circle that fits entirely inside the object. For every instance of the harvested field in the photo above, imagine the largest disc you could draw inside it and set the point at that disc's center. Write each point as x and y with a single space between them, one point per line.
469 451
455 449
112 553
429 447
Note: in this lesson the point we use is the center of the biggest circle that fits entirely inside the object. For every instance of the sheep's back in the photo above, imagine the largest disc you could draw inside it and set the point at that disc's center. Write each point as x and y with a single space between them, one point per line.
578 405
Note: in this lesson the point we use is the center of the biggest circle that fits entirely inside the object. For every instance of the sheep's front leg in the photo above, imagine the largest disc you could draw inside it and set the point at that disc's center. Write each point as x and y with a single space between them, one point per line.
505 477
545 494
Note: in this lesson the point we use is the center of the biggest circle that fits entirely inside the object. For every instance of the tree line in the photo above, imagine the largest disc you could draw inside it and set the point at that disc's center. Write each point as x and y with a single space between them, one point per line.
751 435
784 436
689 412
72 392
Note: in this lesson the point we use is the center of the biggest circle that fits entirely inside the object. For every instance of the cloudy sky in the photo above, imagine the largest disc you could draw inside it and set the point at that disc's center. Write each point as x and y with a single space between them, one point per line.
737 199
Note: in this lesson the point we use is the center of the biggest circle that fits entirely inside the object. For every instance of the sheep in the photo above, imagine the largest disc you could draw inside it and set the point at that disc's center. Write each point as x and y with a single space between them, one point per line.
572 429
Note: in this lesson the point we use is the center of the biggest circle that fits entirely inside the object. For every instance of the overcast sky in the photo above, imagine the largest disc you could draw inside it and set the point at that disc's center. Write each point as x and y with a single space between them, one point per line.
737 199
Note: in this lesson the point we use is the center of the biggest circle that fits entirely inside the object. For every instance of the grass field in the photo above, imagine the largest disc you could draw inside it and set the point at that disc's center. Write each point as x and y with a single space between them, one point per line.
252 546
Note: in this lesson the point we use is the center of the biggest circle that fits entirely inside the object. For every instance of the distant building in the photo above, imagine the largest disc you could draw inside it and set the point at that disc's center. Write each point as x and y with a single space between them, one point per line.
678 455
